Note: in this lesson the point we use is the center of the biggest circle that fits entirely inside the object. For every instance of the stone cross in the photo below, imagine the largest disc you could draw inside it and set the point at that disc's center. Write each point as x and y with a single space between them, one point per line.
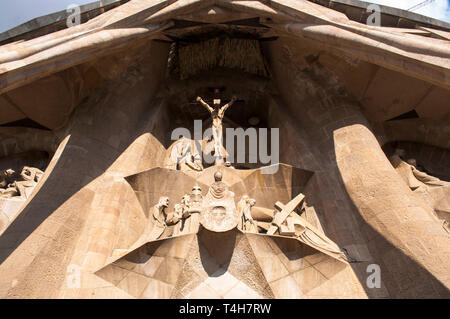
284 212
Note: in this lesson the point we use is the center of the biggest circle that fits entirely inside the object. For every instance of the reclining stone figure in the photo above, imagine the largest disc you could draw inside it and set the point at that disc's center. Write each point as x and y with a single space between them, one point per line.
29 178
410 172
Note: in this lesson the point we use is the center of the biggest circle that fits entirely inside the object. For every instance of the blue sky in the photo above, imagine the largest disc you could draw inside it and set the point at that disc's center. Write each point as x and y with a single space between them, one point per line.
439 9
15 12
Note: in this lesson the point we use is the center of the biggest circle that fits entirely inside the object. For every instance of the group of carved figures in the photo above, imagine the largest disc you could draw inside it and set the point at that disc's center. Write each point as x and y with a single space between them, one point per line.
217 212
186 152
184 218
12 185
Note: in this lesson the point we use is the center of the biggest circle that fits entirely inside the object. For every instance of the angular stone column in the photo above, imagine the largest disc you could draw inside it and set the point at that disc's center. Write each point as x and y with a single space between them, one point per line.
356 189
403 235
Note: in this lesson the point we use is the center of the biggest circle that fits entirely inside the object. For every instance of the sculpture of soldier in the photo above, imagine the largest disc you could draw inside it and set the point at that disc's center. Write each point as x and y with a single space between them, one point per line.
158 216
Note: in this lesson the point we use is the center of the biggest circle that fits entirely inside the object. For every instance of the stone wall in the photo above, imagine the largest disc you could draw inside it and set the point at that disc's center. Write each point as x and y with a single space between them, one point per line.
84 208
365 205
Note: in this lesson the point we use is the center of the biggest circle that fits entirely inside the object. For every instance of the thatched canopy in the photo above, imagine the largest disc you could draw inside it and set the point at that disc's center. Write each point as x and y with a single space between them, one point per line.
187 60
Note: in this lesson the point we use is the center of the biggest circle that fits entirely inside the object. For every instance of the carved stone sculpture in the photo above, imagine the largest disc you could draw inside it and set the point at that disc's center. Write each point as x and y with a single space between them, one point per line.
282 214
219 210
102 97
175 216
187 155
228 164
217 114
424 177
289 223
6 179
158 216
186 215
433 190
310 235
411 174
246 222
28 179
192 214
179 215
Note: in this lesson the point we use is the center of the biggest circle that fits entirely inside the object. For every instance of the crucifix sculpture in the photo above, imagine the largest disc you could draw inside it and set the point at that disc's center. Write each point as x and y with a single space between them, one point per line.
217 113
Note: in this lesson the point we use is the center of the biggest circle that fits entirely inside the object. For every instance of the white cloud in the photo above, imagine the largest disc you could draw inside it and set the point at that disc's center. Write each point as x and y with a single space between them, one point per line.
439 9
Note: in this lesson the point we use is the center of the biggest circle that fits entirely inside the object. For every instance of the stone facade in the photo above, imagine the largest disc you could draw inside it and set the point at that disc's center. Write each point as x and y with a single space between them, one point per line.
114 216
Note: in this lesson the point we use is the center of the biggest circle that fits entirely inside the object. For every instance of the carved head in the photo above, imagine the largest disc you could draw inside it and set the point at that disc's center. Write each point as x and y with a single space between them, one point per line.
26 170
251 202
178 208
196 190
9 172
185 199
218 176
163 201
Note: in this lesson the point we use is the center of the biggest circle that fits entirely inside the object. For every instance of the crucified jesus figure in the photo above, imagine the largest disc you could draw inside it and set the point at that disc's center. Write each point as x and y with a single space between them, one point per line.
217 114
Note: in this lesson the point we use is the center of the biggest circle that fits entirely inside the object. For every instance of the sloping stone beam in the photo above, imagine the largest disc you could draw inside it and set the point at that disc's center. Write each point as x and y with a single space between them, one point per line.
28 61
63 56
431 65
391 209
399 229
427 60
109 20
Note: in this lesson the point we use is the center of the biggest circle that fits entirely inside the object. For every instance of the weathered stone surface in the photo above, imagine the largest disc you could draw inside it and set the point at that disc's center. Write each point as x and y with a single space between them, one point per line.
94 107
